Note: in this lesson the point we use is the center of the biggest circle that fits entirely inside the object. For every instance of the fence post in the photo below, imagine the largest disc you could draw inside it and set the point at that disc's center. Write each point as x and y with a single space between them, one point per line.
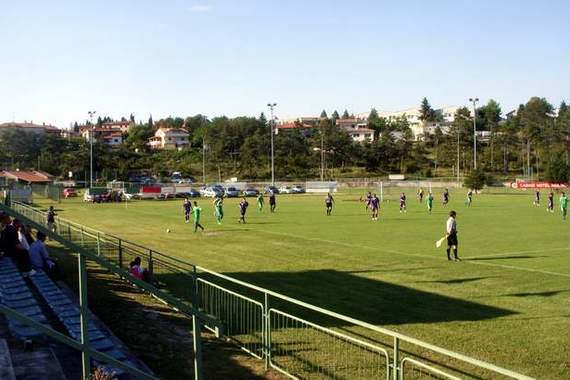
120 254
197 346
69 231
266 332
150 264
396 366
82 237
98 245
84 317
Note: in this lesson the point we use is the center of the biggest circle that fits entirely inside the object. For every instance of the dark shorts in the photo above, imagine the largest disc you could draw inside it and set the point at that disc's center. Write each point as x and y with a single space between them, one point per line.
328 204
452 240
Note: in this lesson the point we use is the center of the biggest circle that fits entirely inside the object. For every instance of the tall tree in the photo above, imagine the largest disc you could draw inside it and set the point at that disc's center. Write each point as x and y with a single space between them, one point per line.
426 112
345 114
324 114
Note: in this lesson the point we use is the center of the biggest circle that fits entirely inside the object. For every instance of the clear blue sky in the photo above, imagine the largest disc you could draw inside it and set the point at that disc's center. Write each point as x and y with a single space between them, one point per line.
59 59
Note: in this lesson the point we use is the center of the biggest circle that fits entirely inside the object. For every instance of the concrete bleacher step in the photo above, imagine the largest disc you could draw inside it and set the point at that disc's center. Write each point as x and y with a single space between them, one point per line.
39 364
6 368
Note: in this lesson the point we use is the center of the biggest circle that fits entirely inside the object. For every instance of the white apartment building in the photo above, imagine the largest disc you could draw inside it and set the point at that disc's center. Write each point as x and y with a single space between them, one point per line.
169 138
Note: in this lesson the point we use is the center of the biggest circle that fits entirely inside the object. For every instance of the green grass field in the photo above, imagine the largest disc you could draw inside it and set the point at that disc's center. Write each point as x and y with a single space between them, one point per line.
507 302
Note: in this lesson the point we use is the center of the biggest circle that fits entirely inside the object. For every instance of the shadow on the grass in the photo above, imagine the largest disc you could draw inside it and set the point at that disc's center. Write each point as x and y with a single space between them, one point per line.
536 294
454 281
373 301
503 258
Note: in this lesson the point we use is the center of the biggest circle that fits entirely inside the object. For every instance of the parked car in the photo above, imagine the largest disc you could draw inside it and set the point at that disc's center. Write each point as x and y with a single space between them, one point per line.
298 189
285 190
250 192
232 192
193 193
272 189
165 196
211 192
69 192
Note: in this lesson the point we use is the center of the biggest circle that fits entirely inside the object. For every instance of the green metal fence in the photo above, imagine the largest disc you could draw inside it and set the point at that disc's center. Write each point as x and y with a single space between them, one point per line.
289 335
50 191
89 245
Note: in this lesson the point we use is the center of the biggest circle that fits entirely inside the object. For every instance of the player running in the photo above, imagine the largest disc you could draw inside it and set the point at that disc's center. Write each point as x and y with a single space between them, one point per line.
260 202
550 206
366 201
329 200
421 195
469 199
403 207
564 205
451 234
429 202
374 206
537 198
197 213
242 210
187 207
272 203
219 209
445 197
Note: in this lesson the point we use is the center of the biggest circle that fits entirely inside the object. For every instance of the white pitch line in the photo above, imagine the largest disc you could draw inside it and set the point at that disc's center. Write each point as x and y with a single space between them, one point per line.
427 256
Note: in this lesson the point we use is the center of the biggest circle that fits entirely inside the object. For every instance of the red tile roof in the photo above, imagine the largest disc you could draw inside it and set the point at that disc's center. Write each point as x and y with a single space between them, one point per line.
27 176
294 126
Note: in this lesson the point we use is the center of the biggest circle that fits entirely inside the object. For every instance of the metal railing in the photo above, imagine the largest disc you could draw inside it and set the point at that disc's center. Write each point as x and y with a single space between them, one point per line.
90 246
288 334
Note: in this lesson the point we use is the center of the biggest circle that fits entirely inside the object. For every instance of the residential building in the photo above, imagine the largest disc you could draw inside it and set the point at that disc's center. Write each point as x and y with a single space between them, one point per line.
111 134
361 134
305 129
357 128
31 127
169 138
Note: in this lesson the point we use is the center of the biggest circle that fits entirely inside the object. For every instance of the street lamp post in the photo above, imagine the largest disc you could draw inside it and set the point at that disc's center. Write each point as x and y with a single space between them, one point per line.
474 101
91 114
271 126
203 161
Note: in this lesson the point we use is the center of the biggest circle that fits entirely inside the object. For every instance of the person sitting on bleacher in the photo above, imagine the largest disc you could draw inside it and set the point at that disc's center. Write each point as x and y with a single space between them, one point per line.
22 234
135 269
11 247
40 257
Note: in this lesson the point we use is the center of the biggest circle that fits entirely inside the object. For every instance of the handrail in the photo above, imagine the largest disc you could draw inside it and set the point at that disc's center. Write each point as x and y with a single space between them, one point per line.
393 334
74 344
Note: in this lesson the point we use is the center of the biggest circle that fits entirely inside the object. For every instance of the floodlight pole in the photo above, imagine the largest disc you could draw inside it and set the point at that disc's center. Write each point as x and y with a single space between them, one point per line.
203 161
474 101
271 126
91 114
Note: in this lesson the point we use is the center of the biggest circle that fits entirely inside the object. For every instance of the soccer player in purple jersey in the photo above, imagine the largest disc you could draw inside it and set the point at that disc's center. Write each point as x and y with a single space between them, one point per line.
445 197
374 206
329 200
242 210
403 207
187 206
550 207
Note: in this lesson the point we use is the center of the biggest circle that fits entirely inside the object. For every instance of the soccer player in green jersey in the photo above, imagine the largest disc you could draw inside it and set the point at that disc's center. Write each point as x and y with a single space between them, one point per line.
429 202
260 201
219 209
564 205
196 213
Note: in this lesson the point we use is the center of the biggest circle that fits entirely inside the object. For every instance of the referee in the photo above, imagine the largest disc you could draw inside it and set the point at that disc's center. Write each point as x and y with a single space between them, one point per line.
451 233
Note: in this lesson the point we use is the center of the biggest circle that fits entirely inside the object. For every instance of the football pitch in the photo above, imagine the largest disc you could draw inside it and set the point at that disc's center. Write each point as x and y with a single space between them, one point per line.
507 302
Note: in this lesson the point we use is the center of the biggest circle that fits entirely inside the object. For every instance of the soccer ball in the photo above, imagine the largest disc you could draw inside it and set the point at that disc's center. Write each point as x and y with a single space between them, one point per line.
168 230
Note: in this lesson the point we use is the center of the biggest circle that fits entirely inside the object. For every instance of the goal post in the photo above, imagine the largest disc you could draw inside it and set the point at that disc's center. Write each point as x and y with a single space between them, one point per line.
321 187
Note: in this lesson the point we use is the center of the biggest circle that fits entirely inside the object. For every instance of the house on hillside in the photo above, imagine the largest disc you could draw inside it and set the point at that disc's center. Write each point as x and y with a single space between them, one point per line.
27 177
31 127
111 133
169 138
357 129
304 129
